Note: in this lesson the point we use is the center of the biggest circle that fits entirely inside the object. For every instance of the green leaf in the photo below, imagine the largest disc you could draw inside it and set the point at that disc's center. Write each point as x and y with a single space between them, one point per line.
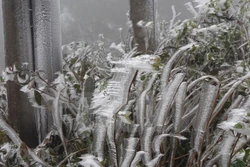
238 163
247 151
238 126
38 98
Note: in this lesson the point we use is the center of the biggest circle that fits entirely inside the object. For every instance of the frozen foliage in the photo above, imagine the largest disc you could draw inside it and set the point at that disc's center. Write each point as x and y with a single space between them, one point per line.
186 104
89 161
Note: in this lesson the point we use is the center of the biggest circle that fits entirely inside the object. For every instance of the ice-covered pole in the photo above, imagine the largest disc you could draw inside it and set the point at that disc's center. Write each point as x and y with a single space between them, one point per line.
18 49
47 44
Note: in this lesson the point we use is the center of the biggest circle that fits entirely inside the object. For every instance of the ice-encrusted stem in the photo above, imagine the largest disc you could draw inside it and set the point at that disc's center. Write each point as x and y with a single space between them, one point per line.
168 96
138 157
111 144
179 103
100 131
207 102
130 151
226 149
227 95
146 142
142 103
57 118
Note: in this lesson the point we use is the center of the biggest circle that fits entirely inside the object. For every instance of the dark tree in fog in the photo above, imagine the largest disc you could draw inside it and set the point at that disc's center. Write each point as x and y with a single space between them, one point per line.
143 10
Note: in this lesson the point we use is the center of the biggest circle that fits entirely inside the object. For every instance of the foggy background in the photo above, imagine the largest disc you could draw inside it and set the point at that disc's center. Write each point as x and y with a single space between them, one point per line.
86 19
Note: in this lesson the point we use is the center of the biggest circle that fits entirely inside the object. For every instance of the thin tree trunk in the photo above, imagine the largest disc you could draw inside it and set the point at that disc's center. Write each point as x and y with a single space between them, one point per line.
47 41
143 10
18 49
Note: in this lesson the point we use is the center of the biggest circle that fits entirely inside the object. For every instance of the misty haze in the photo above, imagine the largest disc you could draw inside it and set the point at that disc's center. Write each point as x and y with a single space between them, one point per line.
86 19
125 83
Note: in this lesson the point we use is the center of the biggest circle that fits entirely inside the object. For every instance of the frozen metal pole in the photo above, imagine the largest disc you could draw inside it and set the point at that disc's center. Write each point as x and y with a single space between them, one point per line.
18 49
47 44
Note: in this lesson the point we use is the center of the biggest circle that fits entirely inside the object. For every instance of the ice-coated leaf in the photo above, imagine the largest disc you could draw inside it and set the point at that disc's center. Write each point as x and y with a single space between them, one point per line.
160 138
211 162
88 160
155 161
129 154
228 94
10 132
169 93
226 149
100 131
179 102
138 157
168 67
124 116
195 82
38 97
134 130
208 98
146 143
157 143
57 118
142 62
142 103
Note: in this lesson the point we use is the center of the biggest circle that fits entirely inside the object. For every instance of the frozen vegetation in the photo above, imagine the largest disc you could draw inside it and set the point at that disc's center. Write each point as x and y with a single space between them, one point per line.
186 104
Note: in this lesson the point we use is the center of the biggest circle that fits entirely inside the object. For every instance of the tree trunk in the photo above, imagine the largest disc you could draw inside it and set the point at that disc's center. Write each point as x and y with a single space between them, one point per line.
18 49
143 10
47 41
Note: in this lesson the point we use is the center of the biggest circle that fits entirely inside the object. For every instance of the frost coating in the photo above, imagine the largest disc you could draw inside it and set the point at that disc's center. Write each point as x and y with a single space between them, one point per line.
18 49
208 98
47 45
89 160
168 96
